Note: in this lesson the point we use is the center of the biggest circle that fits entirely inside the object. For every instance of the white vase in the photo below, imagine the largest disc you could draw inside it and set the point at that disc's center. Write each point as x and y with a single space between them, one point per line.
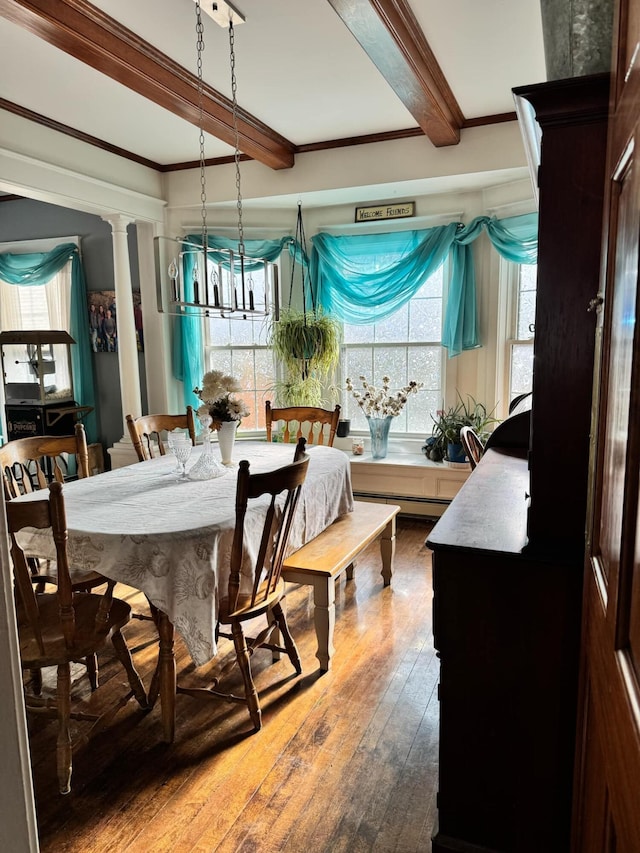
226 440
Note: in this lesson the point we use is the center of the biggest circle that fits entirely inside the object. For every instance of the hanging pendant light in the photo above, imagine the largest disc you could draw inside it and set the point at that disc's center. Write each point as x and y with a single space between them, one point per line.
219 282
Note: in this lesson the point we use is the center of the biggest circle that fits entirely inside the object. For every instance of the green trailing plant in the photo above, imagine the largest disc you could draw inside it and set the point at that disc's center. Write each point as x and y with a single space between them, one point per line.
302 392
307 345
448 423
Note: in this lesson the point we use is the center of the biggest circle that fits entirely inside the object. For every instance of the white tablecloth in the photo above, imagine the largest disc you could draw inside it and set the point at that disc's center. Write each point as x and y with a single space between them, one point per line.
173 540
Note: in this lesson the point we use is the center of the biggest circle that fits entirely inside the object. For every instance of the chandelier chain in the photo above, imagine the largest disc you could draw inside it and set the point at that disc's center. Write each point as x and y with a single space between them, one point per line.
232 61
203 180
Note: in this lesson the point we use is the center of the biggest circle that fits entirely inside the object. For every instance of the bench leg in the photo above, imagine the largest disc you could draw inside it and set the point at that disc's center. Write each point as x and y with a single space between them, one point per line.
324 617
388 550
350 570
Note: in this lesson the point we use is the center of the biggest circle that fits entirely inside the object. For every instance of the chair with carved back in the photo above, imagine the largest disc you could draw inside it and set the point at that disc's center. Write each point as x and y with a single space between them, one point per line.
472 444
27 465
282 488
317 426
147 432
64 626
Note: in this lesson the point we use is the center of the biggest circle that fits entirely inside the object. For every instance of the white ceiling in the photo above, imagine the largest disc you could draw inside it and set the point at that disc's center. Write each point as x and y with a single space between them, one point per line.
299 70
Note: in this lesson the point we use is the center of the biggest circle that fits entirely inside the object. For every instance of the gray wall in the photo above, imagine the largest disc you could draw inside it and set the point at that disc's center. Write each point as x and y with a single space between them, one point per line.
24 219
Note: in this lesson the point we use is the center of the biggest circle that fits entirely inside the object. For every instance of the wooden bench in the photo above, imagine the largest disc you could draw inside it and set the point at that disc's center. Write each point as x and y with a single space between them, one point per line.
320 562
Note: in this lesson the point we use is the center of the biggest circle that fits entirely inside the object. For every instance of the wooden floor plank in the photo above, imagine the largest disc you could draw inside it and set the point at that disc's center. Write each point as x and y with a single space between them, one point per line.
346 760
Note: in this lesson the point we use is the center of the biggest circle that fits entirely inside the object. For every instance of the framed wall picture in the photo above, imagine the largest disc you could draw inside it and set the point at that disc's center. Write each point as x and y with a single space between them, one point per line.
103 320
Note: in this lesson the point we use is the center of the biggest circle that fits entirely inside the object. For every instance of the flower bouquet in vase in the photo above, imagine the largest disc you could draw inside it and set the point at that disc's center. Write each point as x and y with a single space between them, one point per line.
223 409
380 407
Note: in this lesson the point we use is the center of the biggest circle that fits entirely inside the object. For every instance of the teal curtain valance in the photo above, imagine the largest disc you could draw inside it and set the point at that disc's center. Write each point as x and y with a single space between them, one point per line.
36 268
351 282
355 284
270 250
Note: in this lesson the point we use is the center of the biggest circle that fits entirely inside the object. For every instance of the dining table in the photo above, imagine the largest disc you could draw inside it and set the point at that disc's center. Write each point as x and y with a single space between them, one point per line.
171 539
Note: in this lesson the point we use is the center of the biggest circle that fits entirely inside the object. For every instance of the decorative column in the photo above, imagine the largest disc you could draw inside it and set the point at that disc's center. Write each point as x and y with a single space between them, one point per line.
122 453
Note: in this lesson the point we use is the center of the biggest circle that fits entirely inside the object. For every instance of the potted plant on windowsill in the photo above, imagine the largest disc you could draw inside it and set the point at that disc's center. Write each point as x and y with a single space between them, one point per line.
444 444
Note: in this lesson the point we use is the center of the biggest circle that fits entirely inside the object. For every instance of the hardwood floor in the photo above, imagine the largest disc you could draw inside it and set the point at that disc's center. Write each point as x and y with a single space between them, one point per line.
346 761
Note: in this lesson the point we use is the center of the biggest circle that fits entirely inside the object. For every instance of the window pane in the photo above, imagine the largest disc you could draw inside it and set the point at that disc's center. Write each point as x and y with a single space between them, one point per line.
390 362
241 332
219 332
220 360
521 369
425 365
357 334
527 277
425 319
394 328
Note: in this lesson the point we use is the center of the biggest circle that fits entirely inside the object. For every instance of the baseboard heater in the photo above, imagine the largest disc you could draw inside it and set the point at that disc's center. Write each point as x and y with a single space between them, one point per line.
409 505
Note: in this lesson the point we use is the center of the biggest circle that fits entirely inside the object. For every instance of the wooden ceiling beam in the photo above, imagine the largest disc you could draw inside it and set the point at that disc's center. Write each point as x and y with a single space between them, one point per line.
86 33
389 33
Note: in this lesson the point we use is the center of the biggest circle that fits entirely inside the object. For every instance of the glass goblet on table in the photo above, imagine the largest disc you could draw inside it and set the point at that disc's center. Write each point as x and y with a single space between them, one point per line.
182 450
174 438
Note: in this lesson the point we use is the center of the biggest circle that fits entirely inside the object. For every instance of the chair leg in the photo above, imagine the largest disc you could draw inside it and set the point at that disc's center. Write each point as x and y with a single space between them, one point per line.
36 681
290 646
250 692
91 662
124 655
63 747
275 637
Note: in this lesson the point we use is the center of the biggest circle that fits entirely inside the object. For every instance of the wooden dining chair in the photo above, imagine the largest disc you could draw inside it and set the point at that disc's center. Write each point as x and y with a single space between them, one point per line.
240 605
317 426
60 627
146 432
472 444
27 465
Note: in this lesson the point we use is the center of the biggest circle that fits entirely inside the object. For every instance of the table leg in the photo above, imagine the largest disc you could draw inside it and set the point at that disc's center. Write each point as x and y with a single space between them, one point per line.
324 617
167 670
388 550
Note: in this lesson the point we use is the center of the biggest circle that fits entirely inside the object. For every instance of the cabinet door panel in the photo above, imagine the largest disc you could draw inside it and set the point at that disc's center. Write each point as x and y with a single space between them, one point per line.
620 368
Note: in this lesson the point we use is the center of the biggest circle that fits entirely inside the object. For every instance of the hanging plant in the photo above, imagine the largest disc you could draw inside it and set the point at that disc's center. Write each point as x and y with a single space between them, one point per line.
306 343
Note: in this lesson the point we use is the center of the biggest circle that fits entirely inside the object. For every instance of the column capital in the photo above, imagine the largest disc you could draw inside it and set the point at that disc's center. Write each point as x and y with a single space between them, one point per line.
118 222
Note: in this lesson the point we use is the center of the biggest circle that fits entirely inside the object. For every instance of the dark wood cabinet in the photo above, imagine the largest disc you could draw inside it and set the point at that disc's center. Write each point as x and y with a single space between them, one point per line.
509 551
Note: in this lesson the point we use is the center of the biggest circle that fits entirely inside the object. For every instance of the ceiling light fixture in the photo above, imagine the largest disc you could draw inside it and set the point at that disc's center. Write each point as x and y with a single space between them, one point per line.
223 13
203 280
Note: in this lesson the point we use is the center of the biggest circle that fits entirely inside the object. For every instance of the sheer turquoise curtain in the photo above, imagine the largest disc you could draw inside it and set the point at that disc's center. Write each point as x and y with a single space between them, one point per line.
35 268
354 282
188 344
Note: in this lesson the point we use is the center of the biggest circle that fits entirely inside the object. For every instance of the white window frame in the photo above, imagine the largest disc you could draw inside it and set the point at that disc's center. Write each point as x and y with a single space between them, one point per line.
413 441
510 285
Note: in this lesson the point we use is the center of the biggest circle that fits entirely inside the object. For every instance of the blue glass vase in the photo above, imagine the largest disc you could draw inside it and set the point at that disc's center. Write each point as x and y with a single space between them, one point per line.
379 429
